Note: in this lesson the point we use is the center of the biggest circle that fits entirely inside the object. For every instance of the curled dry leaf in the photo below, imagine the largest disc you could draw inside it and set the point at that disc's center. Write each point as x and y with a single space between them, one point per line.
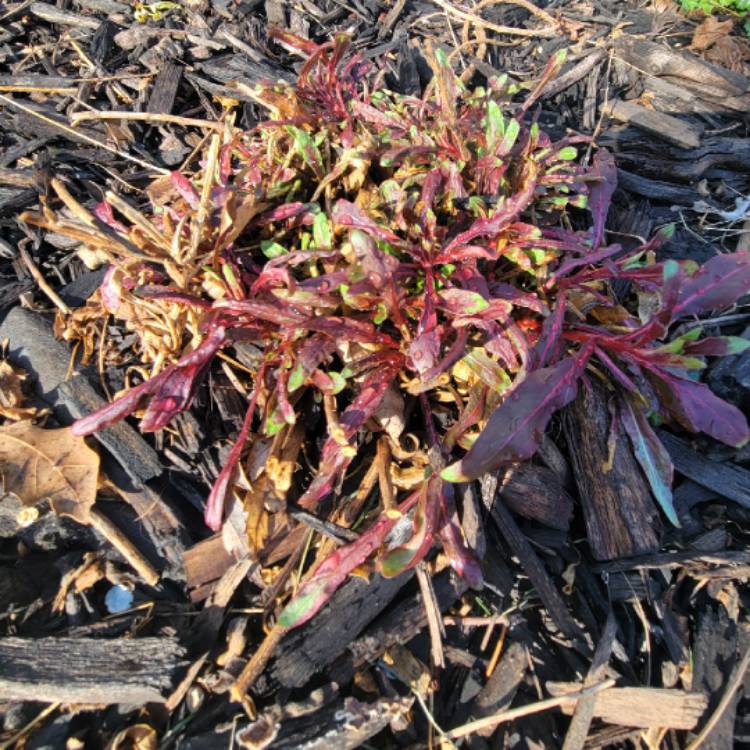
137 737
12 397
52 465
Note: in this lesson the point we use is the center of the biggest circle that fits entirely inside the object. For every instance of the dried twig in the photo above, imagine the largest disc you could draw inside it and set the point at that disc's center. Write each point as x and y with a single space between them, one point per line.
511 30
146 117
82 136
41 281
532 708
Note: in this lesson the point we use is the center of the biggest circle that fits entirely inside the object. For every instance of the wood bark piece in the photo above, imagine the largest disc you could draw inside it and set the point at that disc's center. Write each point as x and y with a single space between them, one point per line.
656 190
88 670
711 99
530 562
314 646
345 725
620 514
498 692
53 14
397 626
156 519
714 656
575 737
535 492
640 706
725 479
34 347
675 560
655 123
575 74
660 60
164 92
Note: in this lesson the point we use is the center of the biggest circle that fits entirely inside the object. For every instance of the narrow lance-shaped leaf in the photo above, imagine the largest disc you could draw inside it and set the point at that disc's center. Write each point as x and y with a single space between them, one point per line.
697 409
651 455
214 512
335 569
460 557
515 428
718 283
717 346
424 350
346 214
406 556
505 214
186 190
173 388
462 301
600 193
549 339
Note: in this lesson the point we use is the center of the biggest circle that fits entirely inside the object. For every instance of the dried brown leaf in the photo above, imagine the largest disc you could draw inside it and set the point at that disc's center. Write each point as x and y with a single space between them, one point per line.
11 393
53 465
137 737
709 32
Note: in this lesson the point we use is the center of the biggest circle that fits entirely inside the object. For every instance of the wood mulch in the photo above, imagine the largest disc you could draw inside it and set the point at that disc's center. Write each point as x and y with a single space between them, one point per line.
599 625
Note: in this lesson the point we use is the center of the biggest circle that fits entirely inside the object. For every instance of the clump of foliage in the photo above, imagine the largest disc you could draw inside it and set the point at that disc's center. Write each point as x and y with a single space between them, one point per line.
735 7
419 253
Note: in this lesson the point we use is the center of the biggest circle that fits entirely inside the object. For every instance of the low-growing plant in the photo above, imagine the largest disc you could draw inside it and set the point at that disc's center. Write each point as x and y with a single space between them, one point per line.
375 248
739 8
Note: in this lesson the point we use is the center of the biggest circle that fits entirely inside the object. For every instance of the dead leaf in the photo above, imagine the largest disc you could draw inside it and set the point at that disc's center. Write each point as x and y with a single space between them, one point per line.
709 32
11 391
137 737
390 414
81 578
53 465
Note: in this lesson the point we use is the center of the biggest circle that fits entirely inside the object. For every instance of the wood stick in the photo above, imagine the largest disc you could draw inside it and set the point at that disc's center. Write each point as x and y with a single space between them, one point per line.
532 708
124 546
478 21
575 737
81 136
41 281
146 117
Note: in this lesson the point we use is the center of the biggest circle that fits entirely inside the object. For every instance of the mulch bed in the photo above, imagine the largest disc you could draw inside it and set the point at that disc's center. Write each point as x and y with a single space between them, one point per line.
131 631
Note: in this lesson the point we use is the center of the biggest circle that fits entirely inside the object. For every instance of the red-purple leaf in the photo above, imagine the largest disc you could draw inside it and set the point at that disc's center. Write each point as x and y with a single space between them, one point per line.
504 215
335 569
718 283
464 302
283 316
363 406
549 339
600 193
185 188
118 409
349 328
173 389
424 350
697 409
171 295
346 214
103 211
717 346
214 511
425 521
459 555
515 428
